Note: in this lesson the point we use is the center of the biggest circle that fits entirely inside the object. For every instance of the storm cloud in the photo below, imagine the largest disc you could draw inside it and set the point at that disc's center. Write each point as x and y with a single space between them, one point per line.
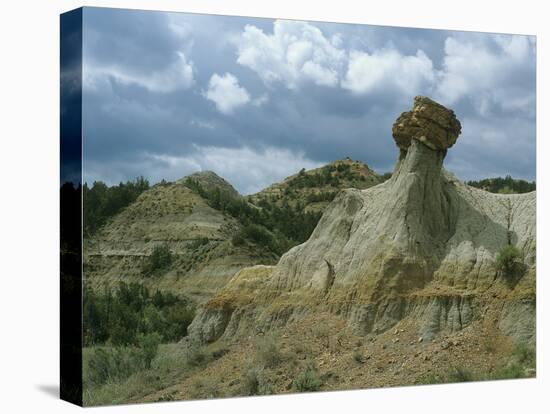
255 100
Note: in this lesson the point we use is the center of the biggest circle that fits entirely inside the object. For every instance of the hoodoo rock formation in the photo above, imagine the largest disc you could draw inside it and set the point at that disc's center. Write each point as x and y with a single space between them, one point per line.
428 122
421 246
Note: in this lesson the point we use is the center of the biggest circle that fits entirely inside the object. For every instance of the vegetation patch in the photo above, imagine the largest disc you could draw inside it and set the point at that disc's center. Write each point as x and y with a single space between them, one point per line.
101 202
270 226
509 262
506 185
308 380
160 259
121 315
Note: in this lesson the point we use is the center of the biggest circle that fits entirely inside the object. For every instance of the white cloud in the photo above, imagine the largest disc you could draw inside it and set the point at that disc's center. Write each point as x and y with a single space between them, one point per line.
484 69
247 169
226 93
388 69
296 52
178 75
260 100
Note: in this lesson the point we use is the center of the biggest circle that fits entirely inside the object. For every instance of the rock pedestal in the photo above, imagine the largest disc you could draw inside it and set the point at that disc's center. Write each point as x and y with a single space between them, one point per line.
428 122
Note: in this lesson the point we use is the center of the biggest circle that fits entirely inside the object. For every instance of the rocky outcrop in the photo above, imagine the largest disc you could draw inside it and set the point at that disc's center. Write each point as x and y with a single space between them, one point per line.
428 122
421 245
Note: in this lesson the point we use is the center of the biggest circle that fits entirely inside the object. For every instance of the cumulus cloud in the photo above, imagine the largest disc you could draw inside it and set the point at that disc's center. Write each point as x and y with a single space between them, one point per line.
487 69
388 69
353 81
226 93
296 52
178 75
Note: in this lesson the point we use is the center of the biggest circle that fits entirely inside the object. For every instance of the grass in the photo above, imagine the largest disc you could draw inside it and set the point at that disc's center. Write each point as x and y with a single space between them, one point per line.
522 360
172 363
460 374
168 365
267 352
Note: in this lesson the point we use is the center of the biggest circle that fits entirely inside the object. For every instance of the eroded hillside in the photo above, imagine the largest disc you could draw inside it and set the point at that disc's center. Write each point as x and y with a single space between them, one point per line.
422 254
175 216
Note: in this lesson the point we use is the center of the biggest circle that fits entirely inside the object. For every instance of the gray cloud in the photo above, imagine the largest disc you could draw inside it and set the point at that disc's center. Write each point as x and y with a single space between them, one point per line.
169 93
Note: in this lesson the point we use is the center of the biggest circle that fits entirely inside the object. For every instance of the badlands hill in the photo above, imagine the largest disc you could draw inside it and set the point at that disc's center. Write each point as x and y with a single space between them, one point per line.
200 219
175 216
312 190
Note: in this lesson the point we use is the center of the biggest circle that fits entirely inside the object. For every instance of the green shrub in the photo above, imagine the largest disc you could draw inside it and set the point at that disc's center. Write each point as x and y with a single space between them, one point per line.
238 240
100 366
160 258
257 233
509 261
459 374
195 244
112 364
205 388
524 354
523 358
308 380
149 345
255 383
430 379
251 382
196 356
358 357
267 352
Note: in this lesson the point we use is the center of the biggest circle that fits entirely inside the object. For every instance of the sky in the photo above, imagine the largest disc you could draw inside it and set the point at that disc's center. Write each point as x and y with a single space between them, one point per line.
256 100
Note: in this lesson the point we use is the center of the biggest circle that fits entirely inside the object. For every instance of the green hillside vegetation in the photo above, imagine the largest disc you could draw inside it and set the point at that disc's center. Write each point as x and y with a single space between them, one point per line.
121 316
268 225
312 190
506 185
102 202
330 175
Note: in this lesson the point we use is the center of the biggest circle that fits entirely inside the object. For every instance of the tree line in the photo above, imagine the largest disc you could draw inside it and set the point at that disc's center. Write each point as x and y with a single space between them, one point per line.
102 202
325 177
506 185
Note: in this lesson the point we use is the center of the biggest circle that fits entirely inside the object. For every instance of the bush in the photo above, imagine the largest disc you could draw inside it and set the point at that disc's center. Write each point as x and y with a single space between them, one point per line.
308 380
509 261
255 383
112 364
267 352
160 258
524 355
149 345
251 382
257 233
460 374
195 244
358 357
238 240
196 356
